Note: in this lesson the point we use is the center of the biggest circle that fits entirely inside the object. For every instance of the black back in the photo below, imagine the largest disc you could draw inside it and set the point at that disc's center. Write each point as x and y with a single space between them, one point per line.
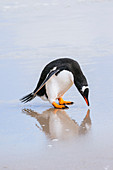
62 64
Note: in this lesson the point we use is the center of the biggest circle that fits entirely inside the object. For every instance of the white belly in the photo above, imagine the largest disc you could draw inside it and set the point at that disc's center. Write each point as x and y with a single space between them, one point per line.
58 85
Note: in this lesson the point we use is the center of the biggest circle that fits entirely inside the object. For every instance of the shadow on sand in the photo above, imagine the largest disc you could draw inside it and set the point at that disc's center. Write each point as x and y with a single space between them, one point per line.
56 124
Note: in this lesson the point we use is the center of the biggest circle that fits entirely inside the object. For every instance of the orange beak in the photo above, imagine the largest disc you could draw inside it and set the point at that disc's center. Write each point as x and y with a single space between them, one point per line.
87 102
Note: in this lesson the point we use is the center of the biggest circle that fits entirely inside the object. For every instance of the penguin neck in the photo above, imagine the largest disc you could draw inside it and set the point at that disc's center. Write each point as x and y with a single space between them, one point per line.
80 82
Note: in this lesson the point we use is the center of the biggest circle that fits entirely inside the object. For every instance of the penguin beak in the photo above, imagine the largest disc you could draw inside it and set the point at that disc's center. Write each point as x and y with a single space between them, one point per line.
87 102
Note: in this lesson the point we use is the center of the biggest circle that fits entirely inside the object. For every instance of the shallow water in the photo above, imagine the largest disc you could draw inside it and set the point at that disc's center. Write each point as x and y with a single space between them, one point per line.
34 135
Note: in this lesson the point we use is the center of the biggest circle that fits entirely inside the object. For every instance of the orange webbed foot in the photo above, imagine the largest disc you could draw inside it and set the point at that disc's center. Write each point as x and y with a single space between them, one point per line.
59 106
62 102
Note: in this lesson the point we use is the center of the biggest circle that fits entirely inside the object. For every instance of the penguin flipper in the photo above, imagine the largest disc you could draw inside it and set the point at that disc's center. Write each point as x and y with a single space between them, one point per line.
50 75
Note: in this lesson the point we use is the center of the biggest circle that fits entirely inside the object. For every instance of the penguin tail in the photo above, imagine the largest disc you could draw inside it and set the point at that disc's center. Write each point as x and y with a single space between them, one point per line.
28 98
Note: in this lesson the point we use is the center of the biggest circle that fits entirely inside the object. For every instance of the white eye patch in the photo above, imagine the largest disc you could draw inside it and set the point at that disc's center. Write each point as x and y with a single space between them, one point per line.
84 88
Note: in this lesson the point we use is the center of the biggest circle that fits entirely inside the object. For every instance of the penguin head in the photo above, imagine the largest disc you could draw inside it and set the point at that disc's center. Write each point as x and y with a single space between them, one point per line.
85 92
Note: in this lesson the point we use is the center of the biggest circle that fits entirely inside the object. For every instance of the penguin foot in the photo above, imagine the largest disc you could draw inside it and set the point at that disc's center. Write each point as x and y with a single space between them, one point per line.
62 102
59 106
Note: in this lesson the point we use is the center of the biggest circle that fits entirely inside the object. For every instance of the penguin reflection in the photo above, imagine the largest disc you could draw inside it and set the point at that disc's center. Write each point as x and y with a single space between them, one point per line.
56 124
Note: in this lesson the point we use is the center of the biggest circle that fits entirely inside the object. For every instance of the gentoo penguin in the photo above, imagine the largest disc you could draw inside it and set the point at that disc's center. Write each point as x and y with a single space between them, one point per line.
56 78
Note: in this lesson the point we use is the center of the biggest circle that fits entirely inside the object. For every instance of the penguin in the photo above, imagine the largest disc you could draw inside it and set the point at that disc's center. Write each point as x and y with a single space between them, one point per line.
56 78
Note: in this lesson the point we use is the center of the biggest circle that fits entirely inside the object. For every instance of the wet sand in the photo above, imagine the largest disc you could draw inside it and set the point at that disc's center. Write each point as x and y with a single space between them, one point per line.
35 135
